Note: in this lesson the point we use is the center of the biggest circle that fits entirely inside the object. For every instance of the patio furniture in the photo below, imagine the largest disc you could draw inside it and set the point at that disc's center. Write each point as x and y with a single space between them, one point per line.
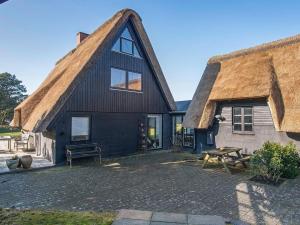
223 153
23 142
82 151
8 139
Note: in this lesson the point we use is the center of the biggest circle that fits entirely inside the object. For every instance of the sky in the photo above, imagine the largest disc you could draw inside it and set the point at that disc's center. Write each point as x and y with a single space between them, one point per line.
34 34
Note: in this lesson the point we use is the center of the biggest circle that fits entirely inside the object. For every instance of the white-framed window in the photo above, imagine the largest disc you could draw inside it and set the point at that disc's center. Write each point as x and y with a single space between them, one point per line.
126 44
80 128
242 119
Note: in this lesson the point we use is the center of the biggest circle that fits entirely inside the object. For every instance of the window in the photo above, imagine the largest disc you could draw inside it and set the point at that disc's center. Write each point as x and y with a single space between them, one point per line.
242 119
118 78
127 80
80 130
126 44
134 81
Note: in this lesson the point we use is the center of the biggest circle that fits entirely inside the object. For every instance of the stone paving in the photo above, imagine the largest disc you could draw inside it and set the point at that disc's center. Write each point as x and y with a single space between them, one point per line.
137 217
161 182
38 162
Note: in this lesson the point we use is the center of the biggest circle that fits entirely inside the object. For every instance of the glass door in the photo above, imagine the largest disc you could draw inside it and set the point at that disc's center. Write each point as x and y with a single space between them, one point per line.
177 130
154 131
188 137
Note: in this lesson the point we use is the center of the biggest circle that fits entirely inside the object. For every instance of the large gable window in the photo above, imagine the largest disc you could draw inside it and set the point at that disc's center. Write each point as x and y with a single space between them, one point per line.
242 119
126 44
127 80
80 130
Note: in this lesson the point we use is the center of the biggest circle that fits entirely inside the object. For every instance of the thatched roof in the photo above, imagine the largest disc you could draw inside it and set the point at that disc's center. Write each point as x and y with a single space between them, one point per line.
270 71
38 110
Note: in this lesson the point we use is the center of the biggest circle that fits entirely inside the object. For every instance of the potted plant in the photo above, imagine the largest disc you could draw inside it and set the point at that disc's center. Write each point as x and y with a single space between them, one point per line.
13 163
26 161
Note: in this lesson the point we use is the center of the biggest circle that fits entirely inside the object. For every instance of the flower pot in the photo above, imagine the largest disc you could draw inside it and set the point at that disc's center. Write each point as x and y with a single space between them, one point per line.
26 161
12 163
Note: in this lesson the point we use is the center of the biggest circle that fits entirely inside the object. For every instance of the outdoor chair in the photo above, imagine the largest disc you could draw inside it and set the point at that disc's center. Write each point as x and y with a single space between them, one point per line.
23 143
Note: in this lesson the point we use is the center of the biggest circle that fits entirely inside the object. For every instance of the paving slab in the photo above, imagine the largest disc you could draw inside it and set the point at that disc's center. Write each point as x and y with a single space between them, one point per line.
134 214
131 222
137 217
166 223
205 220
169 217
37 163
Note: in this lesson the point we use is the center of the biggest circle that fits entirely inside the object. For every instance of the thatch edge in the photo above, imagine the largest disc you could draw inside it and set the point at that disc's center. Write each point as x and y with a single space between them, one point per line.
43 122
263 47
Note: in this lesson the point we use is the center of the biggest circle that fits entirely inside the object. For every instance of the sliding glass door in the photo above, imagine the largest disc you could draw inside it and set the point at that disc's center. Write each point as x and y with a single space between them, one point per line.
154 131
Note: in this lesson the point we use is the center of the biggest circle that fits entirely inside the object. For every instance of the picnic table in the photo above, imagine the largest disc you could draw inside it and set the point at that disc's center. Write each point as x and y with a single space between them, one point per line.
8 139
224 153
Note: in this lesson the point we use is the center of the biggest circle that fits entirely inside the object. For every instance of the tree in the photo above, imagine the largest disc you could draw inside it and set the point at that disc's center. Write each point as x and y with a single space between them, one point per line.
12 92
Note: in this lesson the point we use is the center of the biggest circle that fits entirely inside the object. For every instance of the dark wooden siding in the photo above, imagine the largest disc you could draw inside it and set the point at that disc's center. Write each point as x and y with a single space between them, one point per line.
114 114
117 133
94 93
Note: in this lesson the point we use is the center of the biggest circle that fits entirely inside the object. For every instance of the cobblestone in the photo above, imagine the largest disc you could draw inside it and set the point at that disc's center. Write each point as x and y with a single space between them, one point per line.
161 182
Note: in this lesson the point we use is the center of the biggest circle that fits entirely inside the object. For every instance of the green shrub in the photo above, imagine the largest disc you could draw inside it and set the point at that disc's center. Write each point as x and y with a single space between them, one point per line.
290 159
273 161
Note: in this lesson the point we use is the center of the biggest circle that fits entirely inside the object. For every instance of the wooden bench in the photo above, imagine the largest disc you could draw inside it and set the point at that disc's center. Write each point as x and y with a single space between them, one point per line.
241 160
82 151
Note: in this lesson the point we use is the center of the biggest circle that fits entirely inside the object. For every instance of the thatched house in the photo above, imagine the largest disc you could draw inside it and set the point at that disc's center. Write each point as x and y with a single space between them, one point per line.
101 91
248 97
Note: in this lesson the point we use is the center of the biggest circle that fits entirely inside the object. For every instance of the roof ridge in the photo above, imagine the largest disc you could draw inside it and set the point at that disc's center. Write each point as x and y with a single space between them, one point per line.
122 11
258 48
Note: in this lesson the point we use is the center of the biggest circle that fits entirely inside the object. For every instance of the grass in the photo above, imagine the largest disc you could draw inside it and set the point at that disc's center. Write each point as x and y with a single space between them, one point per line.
8 131
31 217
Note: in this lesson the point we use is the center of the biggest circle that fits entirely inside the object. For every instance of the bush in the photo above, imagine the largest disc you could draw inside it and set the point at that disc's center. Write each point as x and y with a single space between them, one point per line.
273 161
290 159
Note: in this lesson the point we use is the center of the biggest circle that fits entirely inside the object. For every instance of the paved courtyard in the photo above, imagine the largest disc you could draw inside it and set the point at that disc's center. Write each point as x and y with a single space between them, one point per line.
163 182
38 161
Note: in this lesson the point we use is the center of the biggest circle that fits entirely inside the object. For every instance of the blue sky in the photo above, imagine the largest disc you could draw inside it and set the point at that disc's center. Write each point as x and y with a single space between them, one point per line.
34 34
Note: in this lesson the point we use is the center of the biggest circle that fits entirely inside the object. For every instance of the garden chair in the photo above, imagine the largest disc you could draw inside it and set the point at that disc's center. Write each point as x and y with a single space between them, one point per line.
23 142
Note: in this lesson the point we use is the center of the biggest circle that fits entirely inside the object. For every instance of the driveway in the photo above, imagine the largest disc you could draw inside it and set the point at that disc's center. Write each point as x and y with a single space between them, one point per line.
167 182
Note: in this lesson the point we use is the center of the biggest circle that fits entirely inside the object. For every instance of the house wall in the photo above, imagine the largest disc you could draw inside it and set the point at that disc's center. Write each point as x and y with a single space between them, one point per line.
114 113
117 133
263 128
45 143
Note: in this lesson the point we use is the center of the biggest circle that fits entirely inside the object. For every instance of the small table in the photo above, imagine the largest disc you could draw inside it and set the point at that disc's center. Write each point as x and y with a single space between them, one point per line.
8 139
222 154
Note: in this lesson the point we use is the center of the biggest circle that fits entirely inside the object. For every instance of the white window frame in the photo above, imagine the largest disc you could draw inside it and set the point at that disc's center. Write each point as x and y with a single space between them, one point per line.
242 123
73 139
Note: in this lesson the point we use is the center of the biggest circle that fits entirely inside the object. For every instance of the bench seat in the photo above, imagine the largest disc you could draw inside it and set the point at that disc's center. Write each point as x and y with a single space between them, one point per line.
82 151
